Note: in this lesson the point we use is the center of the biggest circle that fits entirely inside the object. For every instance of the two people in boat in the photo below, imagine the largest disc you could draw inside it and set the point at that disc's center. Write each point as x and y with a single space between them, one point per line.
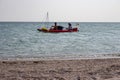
56 27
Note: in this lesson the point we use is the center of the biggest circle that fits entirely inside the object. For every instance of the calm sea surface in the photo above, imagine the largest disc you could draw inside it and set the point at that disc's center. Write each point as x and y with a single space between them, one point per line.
22 40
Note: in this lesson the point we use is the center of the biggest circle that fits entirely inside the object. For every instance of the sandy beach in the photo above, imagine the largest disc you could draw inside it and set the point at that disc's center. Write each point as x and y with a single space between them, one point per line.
83 69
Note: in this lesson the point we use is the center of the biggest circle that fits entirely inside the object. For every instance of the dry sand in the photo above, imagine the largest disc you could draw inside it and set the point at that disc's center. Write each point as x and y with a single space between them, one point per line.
84 69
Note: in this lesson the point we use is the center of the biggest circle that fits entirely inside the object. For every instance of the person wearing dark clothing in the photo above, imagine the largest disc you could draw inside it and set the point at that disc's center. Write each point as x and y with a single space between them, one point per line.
54 27
55 24
69 26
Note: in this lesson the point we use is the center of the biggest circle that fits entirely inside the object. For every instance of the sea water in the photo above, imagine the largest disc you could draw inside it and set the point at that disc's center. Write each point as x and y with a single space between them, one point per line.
22 40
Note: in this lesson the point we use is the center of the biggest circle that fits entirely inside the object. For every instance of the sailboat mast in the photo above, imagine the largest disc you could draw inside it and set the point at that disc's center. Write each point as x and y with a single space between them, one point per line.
47 17
47 20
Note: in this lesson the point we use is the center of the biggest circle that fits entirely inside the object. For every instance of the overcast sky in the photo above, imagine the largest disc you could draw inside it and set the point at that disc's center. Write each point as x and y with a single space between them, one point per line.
60 10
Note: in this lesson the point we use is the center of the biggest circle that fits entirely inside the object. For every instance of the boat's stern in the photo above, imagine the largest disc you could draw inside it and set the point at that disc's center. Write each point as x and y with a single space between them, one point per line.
75 29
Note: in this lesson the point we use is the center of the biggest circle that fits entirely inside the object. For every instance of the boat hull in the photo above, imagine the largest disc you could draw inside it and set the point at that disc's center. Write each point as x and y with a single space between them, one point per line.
58 31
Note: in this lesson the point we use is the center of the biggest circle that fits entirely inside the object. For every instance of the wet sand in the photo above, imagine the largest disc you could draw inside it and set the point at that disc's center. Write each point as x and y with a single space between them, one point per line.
82 69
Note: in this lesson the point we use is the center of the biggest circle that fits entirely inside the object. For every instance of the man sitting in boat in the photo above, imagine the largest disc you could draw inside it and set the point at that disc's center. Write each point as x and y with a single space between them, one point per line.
56 27
69 26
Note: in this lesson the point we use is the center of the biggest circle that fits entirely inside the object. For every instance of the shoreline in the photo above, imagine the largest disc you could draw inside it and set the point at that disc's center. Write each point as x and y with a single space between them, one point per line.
62 57
78 69
57 58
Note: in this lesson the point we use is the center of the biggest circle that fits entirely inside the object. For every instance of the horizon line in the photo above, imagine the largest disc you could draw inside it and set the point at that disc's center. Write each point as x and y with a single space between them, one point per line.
69 21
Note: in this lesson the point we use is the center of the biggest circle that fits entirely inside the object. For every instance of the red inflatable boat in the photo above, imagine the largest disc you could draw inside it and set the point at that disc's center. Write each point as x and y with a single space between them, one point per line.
57 31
